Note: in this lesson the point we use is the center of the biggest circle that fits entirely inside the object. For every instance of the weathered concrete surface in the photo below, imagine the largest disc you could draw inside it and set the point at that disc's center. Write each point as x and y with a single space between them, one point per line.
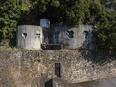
37 68
45 23
33 39
60 34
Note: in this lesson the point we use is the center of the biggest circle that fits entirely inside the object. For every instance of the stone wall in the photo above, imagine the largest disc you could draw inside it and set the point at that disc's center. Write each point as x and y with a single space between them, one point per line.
16 70
37 68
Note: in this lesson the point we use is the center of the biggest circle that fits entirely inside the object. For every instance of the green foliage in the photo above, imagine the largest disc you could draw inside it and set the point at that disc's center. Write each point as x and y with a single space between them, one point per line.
10 12
106 1
73 12
104 34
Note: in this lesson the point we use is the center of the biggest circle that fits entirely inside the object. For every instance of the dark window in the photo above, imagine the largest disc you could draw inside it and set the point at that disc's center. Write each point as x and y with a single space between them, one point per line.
57 37
57 69
70 34
85 34
38 35
24 35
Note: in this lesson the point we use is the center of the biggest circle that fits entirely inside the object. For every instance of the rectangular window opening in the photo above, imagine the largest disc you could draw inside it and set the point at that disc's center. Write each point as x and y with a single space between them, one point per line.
38 35
57 69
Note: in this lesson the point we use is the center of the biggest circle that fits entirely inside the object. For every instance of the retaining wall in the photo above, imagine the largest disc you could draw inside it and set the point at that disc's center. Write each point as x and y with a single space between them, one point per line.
37 68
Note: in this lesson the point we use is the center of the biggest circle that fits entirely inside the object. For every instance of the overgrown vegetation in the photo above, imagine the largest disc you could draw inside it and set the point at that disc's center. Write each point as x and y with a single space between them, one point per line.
73 12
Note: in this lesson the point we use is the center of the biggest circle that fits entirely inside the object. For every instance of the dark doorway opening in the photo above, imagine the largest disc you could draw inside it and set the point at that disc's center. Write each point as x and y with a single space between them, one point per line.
56 37
49 83
57 69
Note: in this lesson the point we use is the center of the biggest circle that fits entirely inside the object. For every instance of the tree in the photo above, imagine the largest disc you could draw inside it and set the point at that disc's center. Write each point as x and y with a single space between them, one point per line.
10 12
73 12
104 34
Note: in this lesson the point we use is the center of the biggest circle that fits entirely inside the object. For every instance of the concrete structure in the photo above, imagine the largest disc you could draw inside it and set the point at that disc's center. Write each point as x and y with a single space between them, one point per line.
45 23
76 37
33 37
30 37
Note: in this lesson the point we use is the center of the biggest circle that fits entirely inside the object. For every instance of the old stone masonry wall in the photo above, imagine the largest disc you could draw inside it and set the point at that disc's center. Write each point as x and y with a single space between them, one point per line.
37 68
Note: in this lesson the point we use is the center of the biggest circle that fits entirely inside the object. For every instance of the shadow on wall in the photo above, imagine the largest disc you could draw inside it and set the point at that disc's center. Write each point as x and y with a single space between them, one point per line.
101 57
57 35
49 83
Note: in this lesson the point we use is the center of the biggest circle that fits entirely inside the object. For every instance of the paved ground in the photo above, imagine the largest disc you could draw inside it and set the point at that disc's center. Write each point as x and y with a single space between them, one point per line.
108 82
